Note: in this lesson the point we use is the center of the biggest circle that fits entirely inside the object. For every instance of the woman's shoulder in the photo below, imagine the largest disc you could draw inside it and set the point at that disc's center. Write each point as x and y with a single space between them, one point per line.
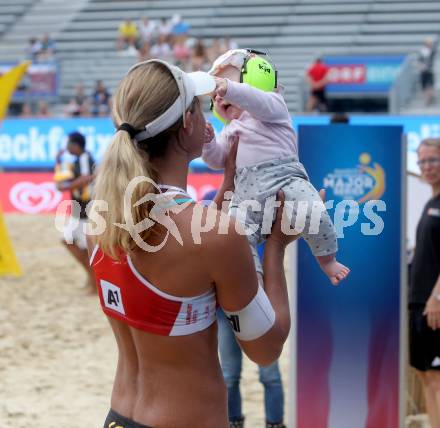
210 228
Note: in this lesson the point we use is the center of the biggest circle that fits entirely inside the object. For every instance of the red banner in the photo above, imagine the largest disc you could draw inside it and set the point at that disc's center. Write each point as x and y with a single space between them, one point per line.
347 73
35 192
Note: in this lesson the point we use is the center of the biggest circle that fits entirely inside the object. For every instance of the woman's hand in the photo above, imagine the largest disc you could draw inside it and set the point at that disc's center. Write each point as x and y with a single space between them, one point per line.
277 236
229 174
432 313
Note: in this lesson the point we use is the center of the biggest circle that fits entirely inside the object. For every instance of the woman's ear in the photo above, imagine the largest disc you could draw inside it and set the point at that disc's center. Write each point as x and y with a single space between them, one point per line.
189 121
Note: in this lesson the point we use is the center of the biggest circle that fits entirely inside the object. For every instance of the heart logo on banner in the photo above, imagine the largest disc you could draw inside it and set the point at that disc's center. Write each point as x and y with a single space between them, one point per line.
33 198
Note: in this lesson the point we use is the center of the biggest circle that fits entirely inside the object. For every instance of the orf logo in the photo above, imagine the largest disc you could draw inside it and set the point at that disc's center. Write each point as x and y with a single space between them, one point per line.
32 198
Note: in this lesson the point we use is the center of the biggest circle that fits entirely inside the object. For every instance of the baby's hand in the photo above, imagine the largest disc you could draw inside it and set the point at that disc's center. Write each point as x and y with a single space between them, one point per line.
209 133
221 86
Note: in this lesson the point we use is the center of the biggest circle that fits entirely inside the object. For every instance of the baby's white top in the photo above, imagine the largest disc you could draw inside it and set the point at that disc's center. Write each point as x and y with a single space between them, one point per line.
264 129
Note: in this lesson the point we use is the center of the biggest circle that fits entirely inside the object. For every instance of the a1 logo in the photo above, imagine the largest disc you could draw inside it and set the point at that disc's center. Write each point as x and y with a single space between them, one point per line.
112 296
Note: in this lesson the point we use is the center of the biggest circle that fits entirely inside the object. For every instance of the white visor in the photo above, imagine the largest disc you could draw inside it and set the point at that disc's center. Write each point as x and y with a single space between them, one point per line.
190 85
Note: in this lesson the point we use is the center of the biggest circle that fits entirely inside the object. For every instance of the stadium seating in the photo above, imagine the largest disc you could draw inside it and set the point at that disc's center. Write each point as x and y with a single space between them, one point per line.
292 31
33 18
10 11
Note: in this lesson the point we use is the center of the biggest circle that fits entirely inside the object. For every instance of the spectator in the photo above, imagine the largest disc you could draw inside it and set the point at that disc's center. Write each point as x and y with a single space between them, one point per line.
79 104
181 52
178 27
424 285
317 77
144 53
33 49
231 362
43 110
147 31
161 49
199 56
100 100
426 62
47 50
164 28
270 376
127 35
26 111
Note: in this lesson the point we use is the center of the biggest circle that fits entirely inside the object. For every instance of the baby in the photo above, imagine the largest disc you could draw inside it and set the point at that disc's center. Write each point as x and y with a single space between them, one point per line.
267 161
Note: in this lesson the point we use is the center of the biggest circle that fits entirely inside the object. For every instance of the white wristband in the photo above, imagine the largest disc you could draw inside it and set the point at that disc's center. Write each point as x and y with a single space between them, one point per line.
254 320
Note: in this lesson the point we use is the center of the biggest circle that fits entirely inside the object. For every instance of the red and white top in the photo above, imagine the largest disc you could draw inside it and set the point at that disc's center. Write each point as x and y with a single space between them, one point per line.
127 296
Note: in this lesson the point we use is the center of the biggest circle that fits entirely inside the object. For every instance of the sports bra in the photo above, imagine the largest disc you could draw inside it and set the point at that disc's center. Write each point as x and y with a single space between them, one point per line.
129 297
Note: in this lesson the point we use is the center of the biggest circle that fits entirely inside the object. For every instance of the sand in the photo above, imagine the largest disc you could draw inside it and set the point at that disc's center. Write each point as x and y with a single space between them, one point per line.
57 353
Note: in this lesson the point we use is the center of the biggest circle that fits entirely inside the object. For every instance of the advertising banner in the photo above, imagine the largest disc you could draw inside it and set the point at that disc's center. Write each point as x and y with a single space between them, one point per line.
35 192
41 80
350 74
348 337
33 143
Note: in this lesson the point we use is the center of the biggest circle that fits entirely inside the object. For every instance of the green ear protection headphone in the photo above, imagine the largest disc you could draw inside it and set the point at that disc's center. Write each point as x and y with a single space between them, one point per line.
256 72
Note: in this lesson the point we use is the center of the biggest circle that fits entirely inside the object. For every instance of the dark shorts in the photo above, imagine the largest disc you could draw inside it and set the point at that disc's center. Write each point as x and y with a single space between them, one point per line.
427 79
424 343
115 420
319 94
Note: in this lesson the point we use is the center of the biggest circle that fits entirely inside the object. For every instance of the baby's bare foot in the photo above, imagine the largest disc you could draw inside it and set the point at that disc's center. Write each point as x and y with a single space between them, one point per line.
333 269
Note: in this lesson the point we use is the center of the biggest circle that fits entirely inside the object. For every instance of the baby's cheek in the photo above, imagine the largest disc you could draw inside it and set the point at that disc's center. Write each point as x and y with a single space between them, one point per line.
221 111
235 112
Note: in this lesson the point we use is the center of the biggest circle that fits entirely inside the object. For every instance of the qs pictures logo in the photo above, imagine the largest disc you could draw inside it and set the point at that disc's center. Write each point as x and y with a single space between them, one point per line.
362 183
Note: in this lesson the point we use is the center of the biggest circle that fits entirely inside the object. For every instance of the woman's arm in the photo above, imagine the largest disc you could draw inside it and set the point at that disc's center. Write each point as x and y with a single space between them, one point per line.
229 258
228 177
432 307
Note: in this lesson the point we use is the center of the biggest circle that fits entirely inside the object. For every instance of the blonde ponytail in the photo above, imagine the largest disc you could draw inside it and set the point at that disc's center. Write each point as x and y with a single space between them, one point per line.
144 94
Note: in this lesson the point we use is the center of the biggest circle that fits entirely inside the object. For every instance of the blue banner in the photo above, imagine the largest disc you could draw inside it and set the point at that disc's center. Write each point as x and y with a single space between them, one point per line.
33 143
349 335
350 74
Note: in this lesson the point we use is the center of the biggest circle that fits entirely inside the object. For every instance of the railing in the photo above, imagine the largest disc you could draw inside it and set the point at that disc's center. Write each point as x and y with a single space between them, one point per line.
303 92
404 86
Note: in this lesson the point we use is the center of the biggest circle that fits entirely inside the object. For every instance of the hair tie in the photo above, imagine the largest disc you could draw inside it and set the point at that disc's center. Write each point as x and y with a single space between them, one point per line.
128 128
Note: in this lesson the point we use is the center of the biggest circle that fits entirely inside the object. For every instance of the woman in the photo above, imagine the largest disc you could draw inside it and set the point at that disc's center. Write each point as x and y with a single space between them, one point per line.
424 291
161 304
